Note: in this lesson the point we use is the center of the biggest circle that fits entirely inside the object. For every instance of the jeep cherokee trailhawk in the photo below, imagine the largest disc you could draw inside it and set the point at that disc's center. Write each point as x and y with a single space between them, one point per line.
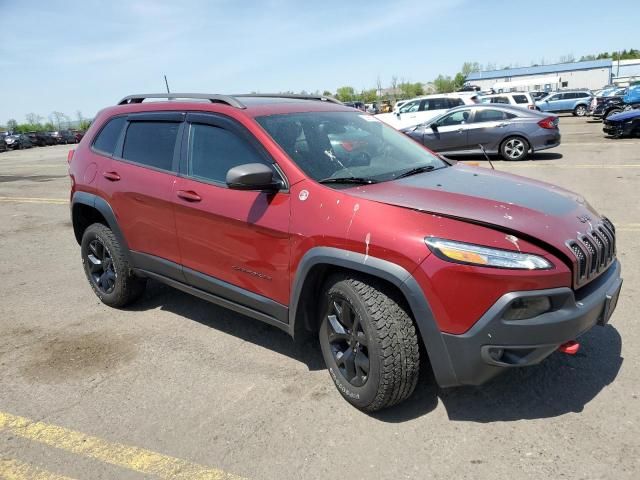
318 218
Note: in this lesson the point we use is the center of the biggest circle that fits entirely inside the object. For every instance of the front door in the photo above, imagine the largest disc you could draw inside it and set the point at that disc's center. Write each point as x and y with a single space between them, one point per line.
449 133
229 237
487 128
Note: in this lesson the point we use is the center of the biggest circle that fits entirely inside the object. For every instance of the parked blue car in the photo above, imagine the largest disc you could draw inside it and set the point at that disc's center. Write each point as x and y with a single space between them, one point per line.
633 95
576 102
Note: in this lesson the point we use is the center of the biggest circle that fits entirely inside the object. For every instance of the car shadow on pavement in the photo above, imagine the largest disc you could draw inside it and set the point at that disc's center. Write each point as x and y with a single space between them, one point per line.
559 385
535 157
248 329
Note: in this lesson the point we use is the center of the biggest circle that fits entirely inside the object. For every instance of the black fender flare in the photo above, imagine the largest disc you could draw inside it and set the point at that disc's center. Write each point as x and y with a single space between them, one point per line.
102 206
395 274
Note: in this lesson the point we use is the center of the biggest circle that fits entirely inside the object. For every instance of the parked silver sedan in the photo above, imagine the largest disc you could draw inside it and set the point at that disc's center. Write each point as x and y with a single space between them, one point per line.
512 132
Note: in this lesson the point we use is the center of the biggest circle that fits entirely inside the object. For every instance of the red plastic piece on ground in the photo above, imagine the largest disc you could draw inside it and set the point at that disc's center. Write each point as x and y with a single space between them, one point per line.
570 348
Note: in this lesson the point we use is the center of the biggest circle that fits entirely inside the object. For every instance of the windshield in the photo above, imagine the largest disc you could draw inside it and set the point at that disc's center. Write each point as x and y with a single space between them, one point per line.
329 145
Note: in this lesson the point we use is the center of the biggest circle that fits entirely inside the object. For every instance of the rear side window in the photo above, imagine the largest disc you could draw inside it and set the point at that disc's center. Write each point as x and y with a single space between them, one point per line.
488 116
436 104
520 99
213 151
151 143
504 100
108 137
454 102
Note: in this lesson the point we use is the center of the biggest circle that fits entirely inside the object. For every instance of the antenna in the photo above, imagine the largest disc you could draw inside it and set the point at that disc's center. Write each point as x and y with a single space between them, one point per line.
486 156
167 84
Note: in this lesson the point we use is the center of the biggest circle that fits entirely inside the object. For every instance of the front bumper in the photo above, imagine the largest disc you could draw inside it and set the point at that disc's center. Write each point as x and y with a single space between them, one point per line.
616 129
494 344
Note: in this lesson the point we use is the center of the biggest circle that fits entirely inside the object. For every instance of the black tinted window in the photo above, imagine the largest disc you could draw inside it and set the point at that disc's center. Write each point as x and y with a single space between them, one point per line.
436 104
109 135
213 151
520 99
488 116
504 100
454 102
151 143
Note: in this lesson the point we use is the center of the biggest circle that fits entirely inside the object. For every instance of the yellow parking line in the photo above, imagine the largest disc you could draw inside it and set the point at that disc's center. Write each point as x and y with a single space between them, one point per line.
56 201
11 469
133 458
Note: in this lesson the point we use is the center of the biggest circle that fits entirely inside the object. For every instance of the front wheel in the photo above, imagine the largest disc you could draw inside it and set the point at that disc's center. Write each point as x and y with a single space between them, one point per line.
369 342
611 112
514 148
580 111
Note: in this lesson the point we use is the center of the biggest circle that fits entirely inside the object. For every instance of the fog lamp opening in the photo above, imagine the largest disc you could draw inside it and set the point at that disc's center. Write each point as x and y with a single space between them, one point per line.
527 307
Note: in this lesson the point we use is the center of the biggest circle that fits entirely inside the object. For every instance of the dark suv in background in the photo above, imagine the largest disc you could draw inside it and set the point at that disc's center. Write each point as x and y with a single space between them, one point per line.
321 220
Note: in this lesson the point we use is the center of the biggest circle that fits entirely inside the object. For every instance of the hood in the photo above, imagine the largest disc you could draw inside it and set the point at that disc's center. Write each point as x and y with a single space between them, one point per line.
527 208
622 116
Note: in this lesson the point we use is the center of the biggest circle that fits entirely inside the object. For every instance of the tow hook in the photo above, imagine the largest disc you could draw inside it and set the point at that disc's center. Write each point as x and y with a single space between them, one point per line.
570 348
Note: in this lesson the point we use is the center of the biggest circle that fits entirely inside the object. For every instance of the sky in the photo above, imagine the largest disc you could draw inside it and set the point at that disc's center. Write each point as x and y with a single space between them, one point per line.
72 56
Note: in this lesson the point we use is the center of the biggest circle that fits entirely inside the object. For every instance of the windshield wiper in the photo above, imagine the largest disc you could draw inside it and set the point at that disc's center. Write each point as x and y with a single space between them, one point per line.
413 171
357 180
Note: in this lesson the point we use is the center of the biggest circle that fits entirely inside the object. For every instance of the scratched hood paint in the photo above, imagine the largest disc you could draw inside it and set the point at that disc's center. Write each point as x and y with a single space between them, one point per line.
517 204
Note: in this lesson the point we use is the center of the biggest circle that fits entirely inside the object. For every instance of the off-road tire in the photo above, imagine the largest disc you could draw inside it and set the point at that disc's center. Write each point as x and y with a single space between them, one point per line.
504 149
128 287
392 341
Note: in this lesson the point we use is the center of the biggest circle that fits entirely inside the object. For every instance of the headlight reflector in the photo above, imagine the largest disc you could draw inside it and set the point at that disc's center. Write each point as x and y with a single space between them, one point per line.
470 254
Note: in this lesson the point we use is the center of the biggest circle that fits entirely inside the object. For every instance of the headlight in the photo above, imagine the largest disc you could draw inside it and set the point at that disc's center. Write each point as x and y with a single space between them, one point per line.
467 253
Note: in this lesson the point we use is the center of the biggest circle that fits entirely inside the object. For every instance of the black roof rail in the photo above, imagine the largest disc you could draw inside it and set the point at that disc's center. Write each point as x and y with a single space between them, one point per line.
321 98
213 98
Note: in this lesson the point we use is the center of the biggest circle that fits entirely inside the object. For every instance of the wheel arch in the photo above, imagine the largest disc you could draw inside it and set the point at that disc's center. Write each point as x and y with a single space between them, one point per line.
318 263
87 208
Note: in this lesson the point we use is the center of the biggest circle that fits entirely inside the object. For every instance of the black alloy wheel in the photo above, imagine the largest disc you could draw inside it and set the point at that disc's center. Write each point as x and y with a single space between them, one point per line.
101 266
348 341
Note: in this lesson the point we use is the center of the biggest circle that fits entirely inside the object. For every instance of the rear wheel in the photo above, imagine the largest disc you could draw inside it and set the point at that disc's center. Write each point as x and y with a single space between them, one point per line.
107 269
369 342
514 148
580 111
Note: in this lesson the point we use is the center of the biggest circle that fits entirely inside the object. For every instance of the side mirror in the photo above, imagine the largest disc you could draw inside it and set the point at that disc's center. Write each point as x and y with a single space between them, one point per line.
252 176
434 127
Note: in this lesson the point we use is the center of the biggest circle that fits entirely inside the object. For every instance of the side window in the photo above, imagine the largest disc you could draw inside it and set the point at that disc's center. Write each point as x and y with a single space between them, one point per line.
108 137
436 104
553 98
488 115
569 96
455 118
410 107
520 99
454 102
151 143
504 100
582 95
213 151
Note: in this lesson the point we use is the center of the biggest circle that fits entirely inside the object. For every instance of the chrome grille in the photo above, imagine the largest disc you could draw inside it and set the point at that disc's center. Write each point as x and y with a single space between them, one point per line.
594 252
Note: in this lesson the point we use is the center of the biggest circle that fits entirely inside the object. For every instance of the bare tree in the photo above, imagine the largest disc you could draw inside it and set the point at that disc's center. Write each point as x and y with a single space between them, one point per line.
394 85
379 86
33 118
57 118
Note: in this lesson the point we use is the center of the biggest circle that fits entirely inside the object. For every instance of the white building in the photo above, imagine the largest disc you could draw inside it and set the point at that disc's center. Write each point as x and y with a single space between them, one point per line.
625 71
592 74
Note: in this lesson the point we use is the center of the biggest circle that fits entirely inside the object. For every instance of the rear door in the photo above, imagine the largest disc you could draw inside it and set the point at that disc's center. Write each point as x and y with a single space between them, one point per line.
487 128
229 238
450 132
138 183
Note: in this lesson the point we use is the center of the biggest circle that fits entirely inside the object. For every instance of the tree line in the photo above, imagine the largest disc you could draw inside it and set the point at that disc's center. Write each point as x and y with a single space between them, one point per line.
56 121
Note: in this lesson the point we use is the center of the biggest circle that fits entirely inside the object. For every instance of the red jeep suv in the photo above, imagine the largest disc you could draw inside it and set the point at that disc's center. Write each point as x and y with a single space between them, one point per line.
319 219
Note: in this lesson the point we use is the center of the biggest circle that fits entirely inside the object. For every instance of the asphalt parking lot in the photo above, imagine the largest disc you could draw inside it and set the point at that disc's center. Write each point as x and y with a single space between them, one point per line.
177 388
